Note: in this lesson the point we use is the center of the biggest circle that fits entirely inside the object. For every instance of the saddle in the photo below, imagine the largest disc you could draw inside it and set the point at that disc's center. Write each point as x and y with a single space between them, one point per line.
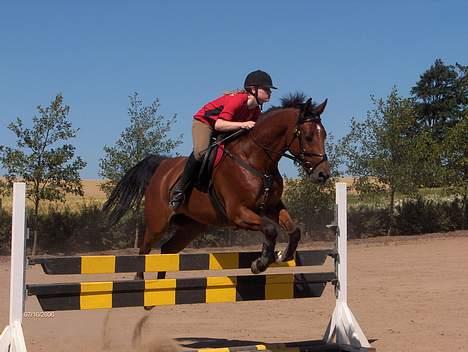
211 158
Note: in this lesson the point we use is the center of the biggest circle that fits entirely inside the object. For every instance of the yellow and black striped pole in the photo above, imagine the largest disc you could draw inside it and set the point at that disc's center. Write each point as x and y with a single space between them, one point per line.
107 264
133 293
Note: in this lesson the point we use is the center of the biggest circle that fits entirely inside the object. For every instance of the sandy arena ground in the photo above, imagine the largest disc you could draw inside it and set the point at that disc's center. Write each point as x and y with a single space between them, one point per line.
408 294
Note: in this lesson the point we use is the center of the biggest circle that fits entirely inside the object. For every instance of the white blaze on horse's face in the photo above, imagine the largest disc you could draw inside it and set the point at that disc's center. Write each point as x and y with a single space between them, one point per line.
313 148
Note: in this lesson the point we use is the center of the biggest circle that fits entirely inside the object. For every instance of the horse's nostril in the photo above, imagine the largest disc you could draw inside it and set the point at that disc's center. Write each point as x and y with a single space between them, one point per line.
323 176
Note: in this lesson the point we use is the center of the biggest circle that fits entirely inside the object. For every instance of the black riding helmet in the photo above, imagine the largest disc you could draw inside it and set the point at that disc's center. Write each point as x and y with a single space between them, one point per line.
258 79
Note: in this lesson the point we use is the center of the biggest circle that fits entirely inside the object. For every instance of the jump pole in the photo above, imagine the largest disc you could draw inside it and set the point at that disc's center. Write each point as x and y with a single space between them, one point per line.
343 326
12 337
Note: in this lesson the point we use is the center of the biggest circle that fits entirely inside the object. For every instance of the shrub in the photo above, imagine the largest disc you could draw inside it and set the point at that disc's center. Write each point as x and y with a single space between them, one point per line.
365 221
5 231
83 229
418 216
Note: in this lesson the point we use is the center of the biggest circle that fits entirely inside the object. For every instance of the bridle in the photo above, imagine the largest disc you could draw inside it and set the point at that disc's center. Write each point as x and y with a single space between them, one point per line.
300 158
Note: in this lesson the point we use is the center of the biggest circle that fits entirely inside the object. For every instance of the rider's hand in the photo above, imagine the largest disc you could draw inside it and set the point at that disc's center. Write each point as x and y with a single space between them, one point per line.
248 125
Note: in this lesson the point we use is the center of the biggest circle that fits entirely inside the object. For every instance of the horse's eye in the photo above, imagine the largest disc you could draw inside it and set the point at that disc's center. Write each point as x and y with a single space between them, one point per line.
309 139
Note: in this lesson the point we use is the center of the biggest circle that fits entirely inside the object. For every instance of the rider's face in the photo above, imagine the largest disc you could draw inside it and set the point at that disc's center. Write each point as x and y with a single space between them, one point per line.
263 94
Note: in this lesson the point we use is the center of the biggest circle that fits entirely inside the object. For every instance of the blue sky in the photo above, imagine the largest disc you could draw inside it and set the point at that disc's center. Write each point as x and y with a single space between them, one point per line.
186 53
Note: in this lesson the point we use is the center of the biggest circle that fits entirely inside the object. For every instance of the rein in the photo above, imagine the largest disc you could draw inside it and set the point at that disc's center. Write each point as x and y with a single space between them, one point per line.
300 159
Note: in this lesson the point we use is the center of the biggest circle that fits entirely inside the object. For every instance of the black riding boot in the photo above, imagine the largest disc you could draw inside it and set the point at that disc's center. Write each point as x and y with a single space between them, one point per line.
185 182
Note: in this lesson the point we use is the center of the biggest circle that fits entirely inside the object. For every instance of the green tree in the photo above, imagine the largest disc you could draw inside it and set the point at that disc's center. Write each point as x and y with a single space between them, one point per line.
383 152
454 154
441 97
42 158
148 133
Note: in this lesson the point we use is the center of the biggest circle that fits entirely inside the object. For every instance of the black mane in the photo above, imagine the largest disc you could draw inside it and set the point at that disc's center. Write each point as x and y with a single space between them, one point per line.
292 100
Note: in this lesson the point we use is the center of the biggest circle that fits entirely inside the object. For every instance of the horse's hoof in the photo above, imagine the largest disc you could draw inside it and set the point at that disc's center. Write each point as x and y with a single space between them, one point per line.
254 269
148 307
257 267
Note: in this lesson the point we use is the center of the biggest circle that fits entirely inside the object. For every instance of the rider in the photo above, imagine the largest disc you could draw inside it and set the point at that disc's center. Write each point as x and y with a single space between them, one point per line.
228 113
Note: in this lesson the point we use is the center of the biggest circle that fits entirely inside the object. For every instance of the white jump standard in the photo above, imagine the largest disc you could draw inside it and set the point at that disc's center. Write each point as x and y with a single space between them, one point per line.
12 338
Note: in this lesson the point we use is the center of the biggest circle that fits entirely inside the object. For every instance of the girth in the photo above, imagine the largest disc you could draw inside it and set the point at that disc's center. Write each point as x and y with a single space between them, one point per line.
267 179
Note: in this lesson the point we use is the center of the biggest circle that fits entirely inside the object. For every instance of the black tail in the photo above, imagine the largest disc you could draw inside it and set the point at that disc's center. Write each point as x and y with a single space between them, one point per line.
131 188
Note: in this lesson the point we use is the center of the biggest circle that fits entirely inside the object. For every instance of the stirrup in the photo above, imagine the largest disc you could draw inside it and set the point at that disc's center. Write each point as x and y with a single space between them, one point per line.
177 200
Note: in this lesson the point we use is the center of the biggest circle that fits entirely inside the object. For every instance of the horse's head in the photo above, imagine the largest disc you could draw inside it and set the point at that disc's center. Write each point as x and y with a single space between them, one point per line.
308 142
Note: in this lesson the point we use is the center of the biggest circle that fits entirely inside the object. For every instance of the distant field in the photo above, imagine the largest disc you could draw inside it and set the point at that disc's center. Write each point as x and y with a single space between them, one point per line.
93 193
92 190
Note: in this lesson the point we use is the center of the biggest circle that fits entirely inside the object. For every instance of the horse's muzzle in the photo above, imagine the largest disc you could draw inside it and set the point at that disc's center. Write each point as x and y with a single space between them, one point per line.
323 176
320 173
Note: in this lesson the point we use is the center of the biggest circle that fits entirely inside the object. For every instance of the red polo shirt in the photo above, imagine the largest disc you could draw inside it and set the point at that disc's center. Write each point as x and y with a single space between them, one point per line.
230 107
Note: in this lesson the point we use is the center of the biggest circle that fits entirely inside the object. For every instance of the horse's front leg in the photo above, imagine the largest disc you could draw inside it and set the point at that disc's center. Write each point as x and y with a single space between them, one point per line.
247 219
270 232
294 235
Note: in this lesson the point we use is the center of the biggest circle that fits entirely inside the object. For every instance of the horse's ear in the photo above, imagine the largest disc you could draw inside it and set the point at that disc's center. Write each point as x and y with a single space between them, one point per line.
307 106
320 108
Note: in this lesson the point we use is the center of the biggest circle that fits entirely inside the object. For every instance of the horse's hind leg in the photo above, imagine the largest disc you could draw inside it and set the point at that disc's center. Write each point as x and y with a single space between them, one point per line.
294 234
184 230
153 232
149 238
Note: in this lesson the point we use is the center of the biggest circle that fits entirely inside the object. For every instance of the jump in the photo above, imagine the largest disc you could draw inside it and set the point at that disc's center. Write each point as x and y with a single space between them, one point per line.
245 186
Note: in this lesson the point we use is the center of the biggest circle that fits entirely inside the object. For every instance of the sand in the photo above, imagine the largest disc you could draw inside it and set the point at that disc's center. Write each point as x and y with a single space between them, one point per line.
408 294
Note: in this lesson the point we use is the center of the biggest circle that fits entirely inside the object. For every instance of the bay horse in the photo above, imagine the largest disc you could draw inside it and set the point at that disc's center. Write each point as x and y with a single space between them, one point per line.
246 181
